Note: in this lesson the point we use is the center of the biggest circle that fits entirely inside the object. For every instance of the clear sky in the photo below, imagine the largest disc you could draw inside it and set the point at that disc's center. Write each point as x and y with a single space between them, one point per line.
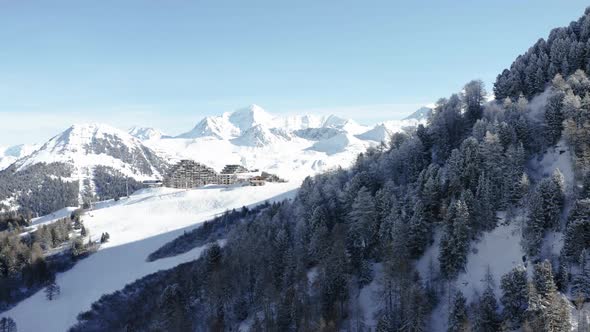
169 63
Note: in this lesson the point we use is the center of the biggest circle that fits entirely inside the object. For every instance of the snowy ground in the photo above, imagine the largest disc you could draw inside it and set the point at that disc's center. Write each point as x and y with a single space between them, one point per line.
500 249
137 226
293 160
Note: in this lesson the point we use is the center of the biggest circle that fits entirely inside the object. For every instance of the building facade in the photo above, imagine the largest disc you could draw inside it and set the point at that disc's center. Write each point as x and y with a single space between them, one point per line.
190 174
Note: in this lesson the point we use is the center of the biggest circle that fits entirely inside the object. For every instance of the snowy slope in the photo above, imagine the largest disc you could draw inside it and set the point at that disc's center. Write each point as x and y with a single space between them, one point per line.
259 136
500 250
379 133
346 125
8 155
421 114
338 144
144 133
219 127
248 117
85 146
137 226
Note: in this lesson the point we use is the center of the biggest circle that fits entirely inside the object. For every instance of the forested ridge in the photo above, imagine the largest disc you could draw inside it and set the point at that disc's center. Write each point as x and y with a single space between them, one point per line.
300 265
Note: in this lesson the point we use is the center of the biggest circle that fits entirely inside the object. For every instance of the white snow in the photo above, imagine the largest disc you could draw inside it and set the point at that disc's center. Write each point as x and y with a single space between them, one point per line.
370 299
557 157
499 249
137 226
290 159
421 114
8 155
340 143
145 134
380 133
75 147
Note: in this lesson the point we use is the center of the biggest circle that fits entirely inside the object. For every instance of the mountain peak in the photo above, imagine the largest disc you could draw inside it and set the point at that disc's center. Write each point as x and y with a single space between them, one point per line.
85 145
422 113
145 133
248 117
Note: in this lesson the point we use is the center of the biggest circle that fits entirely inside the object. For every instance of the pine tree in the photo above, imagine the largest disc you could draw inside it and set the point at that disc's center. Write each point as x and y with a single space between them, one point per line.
458 320
52 290
558 314
561 278
581 282
172 311
554 117
493 163
535 319
474 97
487 319
577 232
7 324
544 211
361 219
419 231
485 215
455 242
515 160
543 279
515 295
471 164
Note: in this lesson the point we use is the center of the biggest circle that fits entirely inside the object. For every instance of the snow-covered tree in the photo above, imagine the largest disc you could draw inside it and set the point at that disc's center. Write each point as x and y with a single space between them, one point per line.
7 324
544 211
361 219
419 231
543 279
515 296
458 319
485 214
455 242
474 97
577 232
487 318
52 290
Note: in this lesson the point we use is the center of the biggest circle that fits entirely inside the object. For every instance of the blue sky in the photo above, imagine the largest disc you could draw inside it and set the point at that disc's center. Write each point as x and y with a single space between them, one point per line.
169 63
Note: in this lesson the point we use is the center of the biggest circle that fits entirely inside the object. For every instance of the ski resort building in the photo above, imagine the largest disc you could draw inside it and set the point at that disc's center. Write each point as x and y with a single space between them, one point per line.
257 181
231 174
234 169
190 174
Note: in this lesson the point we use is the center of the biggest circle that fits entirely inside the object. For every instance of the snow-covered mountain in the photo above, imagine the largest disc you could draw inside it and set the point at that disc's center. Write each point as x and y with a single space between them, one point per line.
421 114
292 146
145 133
12 153
213 126
85 146
95 155
379 133
337 144
251 116
260 136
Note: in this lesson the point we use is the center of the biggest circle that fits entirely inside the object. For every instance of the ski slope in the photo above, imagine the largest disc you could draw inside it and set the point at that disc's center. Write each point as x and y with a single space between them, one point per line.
137 226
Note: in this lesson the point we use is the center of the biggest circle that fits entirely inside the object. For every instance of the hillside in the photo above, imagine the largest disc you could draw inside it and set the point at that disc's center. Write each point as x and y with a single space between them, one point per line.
76 166
477 221
136 229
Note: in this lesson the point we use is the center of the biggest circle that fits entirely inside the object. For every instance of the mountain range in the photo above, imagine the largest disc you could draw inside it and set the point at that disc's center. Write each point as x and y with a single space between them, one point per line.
292 146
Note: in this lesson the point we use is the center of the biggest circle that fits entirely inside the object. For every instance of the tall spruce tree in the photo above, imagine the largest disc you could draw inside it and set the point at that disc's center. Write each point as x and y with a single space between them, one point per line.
487 318
458 319
455 242
7 324
515 296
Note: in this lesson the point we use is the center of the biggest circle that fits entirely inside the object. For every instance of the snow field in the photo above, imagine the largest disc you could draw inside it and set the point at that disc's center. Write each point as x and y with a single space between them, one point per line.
137 226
